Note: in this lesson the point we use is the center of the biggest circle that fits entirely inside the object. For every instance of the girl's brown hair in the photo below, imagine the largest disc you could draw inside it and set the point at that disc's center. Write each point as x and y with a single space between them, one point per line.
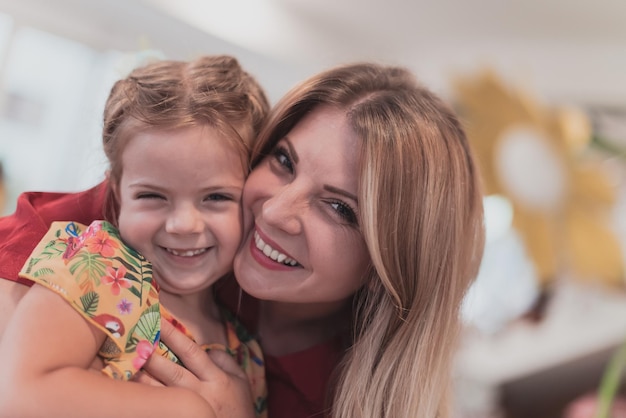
212 90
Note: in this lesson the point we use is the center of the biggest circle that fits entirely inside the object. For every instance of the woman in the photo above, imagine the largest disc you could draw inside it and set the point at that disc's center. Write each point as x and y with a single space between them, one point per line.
363 217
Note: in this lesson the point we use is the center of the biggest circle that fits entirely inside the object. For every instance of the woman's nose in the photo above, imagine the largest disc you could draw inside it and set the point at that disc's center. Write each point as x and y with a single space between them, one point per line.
284 209
184 219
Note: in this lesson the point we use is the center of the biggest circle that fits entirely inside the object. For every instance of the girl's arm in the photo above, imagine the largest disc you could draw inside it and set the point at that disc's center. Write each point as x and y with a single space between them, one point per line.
10 294
47 349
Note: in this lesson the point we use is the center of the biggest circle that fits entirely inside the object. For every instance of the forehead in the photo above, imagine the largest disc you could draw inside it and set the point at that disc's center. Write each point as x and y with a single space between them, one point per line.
326 147
326 130
197 151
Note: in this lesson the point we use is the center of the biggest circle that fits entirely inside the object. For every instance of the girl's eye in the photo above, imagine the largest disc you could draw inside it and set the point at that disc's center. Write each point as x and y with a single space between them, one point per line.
218 197
281 155
345 212
149 196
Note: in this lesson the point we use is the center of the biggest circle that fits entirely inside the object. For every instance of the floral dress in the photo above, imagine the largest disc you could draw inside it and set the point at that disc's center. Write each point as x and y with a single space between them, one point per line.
111 285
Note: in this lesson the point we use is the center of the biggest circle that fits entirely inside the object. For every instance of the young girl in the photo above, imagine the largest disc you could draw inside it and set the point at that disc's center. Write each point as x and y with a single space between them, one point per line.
177 137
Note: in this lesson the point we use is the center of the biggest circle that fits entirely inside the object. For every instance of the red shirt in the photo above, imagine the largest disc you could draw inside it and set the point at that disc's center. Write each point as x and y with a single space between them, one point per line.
297 383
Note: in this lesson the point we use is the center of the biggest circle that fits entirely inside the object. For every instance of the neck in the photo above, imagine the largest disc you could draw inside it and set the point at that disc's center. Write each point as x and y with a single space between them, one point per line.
199 313
291 327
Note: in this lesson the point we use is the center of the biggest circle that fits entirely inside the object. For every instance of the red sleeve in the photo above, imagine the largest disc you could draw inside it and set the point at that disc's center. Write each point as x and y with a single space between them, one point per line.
21 231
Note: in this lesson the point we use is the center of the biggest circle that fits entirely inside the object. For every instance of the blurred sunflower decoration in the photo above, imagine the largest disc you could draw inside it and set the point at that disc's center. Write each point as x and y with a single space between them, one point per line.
534 157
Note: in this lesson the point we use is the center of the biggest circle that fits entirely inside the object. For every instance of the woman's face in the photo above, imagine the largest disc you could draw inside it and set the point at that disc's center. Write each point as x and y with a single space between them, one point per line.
302 242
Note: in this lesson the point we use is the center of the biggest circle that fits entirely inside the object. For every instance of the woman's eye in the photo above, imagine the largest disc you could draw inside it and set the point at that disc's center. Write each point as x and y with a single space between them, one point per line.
281 155
345 211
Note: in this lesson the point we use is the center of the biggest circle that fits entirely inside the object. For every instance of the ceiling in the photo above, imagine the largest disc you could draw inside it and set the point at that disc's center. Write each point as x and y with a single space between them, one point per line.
566 49
572 50
327 29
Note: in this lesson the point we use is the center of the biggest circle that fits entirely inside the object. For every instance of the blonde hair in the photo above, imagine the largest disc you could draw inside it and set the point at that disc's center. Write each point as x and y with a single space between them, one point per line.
167 94
421 217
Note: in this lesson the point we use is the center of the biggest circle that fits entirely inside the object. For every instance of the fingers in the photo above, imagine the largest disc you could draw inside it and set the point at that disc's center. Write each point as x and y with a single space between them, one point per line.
191 354
145 378
168 373
227 363
216 366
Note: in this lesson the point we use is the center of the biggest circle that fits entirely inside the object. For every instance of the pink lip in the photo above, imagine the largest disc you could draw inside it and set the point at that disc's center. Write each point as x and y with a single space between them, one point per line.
264 260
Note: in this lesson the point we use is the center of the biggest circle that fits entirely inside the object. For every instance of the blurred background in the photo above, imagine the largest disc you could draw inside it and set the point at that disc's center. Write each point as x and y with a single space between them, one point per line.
540 86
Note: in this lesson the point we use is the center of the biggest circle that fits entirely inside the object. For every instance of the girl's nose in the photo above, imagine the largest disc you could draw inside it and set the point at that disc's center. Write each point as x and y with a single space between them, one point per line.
184 219
284 208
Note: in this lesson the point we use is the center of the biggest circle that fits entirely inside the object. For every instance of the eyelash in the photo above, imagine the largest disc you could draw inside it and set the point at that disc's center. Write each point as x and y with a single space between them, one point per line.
218 197
345 211
149 196
282 157
215 197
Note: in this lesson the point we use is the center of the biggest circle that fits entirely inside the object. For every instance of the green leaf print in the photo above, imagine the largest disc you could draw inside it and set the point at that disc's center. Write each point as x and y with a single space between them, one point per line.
46 271
149 324
131 257
88 267
131 343
135 292
90 302
53 249
31 263
131 270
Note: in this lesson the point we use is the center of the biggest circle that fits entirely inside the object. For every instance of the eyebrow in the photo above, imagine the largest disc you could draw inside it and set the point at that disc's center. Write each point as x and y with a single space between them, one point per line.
342 192
292 150
162 189
327 187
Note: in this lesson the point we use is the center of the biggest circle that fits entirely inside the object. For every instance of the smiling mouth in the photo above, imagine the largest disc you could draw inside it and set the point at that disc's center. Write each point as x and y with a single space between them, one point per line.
186 253
272 253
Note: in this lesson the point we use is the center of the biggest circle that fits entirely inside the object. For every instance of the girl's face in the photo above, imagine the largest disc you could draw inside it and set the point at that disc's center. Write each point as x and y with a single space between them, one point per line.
302 241
180 195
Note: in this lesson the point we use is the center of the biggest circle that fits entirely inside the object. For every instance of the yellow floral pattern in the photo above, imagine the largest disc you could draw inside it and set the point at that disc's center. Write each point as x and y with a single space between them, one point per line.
111 285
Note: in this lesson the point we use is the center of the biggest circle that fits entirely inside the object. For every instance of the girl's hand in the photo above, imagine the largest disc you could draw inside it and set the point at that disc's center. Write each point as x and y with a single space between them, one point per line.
215 376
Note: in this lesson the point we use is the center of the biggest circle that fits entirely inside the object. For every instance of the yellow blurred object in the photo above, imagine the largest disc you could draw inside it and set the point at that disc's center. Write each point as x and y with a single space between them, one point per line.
534 157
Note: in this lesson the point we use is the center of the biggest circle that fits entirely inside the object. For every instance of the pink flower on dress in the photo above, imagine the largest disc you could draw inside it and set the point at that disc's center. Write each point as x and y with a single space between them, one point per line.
115 277
101 242
144 351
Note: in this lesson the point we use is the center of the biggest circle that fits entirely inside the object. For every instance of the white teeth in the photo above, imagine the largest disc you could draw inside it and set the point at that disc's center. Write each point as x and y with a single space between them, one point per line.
186 253
272 253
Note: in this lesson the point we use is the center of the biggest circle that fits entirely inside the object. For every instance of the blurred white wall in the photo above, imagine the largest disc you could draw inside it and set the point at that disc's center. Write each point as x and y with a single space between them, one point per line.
56 68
